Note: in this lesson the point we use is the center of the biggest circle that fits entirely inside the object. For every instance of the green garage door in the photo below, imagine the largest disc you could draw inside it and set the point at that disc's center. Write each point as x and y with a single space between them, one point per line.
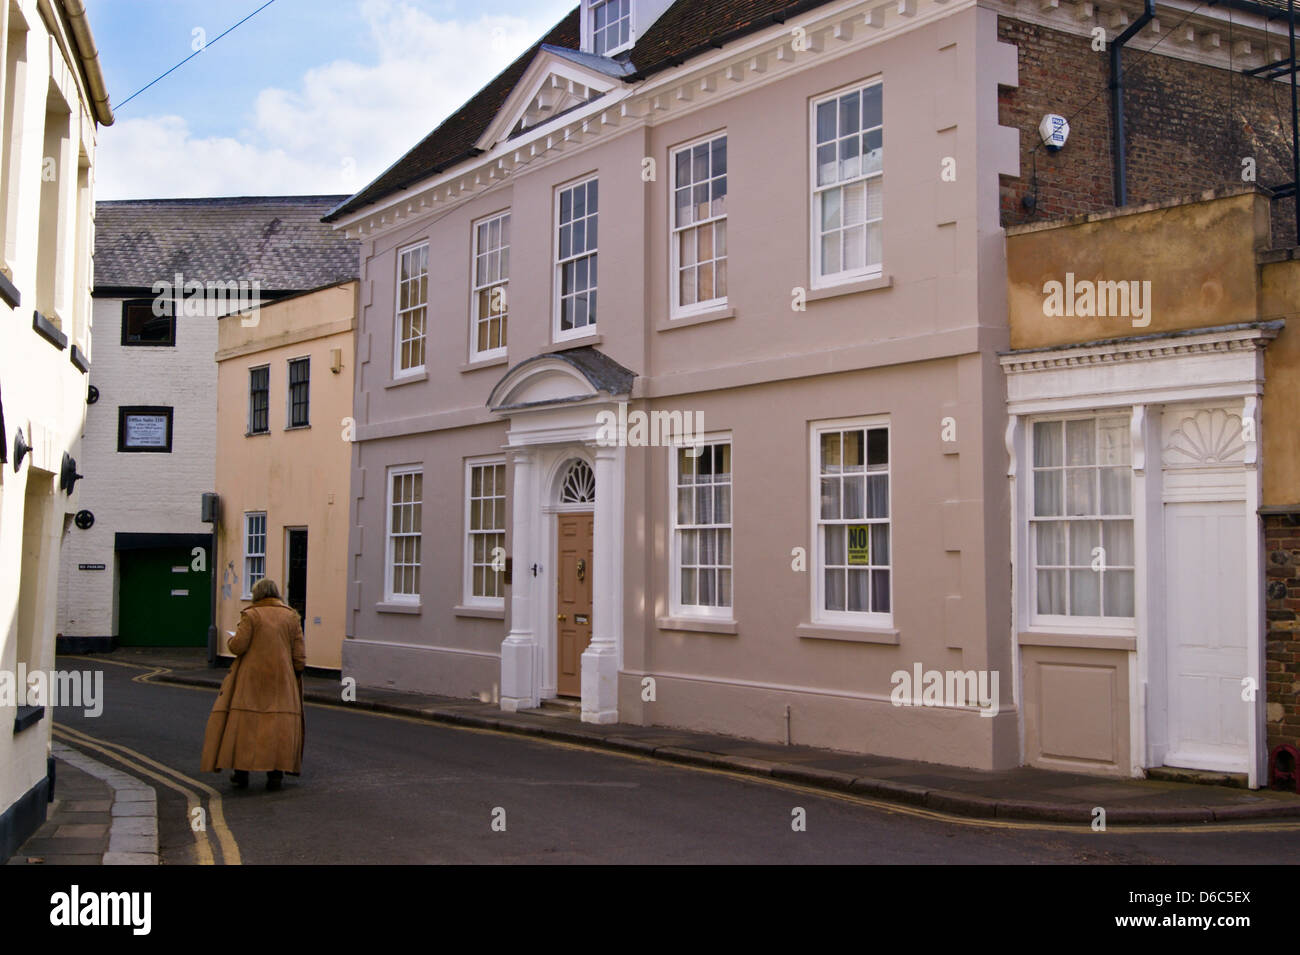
162 602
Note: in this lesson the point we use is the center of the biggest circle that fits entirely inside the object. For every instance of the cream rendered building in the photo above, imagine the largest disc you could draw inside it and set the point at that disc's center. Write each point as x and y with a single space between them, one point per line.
284 460
54 100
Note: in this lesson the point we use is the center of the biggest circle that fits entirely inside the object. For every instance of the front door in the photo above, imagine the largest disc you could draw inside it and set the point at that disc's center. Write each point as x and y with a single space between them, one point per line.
296 585
573 599
1205 602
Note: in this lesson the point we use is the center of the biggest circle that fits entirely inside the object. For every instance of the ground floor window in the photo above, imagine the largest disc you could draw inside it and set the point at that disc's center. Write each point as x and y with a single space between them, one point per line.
1081 528
254 550
405 501
486 532
852 570
701 547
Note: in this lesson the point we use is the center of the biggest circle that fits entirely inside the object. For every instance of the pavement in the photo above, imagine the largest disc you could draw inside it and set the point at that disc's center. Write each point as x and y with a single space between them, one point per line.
99 816
1022 793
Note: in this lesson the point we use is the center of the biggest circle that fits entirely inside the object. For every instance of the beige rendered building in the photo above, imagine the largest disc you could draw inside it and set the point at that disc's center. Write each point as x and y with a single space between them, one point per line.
284 405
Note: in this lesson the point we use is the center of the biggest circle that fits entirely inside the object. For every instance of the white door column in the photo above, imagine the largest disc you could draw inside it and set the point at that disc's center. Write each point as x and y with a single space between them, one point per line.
601 659
519 649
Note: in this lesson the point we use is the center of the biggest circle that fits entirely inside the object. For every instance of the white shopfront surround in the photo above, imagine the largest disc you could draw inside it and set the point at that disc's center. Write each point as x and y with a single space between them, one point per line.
1194 404
552 409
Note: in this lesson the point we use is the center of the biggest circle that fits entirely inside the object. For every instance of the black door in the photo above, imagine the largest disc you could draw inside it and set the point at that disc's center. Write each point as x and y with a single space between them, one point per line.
297 585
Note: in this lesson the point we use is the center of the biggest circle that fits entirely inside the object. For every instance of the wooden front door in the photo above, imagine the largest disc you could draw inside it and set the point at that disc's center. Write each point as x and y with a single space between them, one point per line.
573 600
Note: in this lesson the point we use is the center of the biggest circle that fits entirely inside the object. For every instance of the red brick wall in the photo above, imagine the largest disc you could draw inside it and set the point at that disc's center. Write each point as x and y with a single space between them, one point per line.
1282 650
1188 128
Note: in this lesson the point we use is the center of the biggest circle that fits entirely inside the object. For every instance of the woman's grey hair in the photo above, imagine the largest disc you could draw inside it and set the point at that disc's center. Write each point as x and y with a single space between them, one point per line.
265 588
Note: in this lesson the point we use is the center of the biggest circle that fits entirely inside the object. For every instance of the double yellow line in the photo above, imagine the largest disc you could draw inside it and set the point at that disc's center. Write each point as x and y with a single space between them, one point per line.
192 789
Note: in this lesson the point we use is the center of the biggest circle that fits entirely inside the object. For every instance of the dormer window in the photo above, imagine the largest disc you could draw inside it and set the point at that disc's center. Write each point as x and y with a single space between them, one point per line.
611 26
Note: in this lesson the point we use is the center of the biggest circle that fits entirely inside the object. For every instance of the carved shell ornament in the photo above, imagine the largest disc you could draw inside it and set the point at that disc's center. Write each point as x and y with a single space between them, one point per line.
1206 438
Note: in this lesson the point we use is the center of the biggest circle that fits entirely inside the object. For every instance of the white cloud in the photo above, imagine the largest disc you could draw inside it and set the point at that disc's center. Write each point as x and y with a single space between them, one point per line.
342 125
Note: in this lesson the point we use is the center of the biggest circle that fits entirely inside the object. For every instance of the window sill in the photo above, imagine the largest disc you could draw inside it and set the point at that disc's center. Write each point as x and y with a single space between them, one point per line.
256 434
1083 641
27 717
699 318
297 427
826 631
567 343
486 613
697 625
850 288
49 331
477 363
388 606
408 380
9 292
79 360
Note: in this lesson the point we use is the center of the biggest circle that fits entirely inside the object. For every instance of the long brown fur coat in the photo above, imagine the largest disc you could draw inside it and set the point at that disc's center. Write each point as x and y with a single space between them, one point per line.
257 721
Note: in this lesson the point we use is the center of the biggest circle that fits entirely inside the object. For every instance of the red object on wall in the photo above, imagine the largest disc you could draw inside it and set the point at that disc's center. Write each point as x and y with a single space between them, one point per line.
1284 776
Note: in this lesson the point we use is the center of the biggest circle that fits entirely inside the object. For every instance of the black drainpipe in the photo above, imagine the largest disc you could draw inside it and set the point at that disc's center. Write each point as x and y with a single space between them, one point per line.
1117 97
1295 136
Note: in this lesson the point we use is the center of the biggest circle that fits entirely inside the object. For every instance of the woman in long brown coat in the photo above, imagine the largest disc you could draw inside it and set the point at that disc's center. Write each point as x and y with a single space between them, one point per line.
257 722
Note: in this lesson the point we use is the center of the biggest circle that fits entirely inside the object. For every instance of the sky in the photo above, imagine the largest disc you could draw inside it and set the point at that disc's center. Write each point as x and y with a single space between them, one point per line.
309 97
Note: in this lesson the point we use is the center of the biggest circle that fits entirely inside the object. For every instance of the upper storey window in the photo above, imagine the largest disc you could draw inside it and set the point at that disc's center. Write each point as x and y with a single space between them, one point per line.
412 306
611 26
576 260
847 186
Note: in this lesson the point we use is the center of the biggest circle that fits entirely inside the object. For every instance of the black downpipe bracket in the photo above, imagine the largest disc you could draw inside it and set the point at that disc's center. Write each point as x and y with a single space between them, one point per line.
1117 97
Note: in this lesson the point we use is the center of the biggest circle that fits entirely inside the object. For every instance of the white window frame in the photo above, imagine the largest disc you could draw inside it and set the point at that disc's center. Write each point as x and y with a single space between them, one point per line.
468 597
869 271
847 618
591 28
1064 623
678 310
584 331
475 288
398 370
249 516
288 393
725 614
392 473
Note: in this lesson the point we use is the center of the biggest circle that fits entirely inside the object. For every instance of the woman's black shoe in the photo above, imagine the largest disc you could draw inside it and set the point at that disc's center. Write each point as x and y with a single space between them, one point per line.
274 780
240 779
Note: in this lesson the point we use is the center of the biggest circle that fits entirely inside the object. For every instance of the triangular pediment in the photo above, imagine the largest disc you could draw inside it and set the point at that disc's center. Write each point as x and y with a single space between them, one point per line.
556 82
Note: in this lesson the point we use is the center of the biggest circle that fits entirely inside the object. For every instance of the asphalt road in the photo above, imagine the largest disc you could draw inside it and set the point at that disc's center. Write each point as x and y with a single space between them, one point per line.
378 789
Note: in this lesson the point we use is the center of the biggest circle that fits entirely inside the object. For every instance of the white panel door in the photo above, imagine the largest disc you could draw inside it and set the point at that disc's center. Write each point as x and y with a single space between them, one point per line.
1206 590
